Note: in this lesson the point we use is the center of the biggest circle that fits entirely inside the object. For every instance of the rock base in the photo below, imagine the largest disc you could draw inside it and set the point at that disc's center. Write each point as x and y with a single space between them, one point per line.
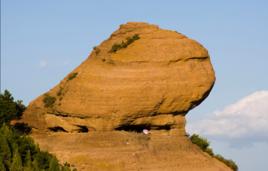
160 150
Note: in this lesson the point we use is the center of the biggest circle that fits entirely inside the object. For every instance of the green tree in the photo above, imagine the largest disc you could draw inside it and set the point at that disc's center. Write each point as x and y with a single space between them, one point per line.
35 165
5 151
2 165
53 165
18 152
200 141
28 161
203 144
16 164
9 109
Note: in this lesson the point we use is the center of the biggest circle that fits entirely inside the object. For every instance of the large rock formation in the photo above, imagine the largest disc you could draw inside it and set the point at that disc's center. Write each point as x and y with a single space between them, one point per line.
142 77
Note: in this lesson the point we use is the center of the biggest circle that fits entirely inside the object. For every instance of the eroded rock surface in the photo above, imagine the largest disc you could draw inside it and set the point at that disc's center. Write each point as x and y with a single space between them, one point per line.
128 151
142 76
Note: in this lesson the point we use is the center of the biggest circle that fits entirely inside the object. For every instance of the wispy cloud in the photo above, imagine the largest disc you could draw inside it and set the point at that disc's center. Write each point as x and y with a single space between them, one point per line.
247 119
43 63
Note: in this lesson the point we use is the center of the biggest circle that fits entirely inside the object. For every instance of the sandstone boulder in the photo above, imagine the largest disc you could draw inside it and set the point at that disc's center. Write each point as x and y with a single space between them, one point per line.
141 77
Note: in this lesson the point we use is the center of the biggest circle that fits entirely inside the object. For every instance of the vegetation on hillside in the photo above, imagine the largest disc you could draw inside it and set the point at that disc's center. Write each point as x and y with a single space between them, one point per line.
96 49
49 100
203 144
18 152
124 44
9 109
72 76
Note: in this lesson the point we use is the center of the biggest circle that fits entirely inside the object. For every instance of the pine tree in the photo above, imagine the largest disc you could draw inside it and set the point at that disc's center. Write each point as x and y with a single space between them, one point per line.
35 165
28 162
28 169
2 166
9 108
16 164
18 152
53 165
5 152
66 167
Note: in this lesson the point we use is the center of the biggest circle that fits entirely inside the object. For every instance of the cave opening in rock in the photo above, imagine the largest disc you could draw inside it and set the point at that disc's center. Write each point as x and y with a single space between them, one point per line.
140 128
22 128
82 128
57 129
133 128
161 127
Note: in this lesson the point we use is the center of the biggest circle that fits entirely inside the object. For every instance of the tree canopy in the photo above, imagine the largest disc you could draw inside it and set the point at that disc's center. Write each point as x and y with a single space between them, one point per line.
18 152
9 108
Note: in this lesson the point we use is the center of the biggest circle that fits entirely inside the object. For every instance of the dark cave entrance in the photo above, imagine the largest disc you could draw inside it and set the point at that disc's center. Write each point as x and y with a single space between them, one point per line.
57 129
133 128
82 129
140 128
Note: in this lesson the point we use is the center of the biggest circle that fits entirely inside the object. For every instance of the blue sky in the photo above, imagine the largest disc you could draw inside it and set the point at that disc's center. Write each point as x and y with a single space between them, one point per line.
42 41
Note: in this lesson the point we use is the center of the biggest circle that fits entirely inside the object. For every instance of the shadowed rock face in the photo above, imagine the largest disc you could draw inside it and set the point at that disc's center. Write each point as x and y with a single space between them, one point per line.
141 77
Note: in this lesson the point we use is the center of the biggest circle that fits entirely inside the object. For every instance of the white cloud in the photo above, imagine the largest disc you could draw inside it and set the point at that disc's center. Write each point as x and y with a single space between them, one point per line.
43 63
245 119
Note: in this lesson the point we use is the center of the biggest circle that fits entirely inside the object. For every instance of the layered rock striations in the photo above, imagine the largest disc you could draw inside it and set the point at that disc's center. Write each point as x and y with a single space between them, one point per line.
142 77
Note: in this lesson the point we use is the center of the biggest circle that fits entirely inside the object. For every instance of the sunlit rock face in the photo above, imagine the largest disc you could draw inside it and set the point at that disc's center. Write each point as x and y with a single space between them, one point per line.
124 107
140 77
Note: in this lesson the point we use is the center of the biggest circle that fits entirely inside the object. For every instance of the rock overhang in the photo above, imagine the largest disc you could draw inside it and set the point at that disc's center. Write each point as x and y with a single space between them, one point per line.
141 76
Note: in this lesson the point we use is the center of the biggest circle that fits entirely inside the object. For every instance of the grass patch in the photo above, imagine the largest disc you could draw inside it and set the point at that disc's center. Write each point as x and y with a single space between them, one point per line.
49 100
203 144
124 44
72 76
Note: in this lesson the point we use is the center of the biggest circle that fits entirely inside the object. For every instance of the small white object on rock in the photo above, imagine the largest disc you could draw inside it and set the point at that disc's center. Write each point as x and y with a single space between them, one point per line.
145 131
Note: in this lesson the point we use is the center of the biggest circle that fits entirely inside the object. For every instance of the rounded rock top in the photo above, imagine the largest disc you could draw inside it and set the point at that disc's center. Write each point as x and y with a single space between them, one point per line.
141 75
